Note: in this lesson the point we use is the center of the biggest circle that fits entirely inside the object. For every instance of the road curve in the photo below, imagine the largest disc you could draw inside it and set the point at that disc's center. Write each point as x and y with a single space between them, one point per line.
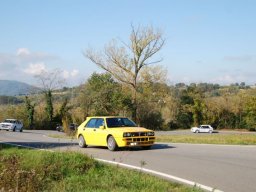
227 168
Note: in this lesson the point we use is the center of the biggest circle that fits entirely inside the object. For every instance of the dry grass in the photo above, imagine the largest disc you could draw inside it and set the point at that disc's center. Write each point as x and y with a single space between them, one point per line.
234 139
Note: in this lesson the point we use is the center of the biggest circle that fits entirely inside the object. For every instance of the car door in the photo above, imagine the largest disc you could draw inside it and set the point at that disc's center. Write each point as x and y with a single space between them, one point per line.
19 125
99 135
88 131
93 134
205 128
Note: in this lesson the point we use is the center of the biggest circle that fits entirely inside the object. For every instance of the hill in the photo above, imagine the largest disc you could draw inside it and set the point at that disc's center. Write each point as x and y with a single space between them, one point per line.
12 88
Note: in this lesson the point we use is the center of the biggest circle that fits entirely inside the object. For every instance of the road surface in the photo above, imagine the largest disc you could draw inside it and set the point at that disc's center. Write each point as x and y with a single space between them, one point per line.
227 168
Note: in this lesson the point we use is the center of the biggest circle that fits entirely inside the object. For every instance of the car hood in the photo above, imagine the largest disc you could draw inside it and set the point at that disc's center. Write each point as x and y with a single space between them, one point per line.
135 129
130 129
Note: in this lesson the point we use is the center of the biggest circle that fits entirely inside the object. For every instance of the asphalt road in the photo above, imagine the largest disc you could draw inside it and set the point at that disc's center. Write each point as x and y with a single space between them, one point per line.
227 168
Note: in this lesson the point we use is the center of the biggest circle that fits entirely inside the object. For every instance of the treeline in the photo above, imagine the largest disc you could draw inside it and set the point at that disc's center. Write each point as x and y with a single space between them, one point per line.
159 106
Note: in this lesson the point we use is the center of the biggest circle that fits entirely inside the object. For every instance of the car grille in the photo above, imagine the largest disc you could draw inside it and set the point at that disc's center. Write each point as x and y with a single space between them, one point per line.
5 126
140 140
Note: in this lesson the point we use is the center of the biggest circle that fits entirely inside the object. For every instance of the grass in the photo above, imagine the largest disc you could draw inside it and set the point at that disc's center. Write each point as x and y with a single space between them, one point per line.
234 139
26 170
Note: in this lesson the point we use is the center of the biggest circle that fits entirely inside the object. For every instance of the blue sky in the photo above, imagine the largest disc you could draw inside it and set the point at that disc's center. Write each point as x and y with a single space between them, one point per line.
206 40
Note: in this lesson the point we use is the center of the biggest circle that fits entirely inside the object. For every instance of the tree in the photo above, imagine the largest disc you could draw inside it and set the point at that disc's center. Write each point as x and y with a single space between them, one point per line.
48 82
126 61
30 108
101 95
49 106
250 117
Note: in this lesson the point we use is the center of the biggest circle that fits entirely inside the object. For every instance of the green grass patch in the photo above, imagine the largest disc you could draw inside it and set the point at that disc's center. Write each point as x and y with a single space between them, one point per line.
26 170
234 139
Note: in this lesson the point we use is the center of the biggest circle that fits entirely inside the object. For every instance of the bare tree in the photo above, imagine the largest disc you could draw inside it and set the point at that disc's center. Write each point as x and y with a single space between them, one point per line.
48 81
125 61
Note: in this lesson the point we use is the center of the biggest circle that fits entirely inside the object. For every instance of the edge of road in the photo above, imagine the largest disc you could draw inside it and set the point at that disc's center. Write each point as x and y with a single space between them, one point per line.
152 172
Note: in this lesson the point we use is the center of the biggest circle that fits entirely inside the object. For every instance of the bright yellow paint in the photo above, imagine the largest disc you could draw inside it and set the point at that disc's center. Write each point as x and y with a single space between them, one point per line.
98 136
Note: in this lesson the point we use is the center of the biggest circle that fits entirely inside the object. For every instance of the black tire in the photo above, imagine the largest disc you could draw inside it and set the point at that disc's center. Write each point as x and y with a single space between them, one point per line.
197 131
112 146
81 142
14 129
21 129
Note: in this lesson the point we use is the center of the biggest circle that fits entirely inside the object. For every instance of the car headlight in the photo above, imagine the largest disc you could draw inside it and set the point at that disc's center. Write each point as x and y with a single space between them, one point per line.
127 135
151 133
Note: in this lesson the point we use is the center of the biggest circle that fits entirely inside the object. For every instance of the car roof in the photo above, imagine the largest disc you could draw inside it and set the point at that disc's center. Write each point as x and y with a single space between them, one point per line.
11 119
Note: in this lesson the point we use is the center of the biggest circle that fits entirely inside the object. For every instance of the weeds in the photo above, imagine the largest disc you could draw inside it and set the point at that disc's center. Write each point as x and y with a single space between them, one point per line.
27 170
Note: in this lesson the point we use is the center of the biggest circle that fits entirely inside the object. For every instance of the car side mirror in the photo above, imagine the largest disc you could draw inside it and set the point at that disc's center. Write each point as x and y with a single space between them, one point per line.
102 127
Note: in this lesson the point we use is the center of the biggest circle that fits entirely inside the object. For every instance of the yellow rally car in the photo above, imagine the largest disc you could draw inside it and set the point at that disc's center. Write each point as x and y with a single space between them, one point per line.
113 132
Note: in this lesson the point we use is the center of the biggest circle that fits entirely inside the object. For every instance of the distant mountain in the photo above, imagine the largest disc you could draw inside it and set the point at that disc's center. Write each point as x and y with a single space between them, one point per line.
12 88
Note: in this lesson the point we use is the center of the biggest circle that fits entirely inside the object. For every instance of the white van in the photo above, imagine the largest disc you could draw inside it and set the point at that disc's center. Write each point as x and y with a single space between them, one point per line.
11 125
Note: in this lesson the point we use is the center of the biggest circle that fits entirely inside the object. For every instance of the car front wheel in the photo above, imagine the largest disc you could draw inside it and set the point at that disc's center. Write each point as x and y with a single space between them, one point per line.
112 146
81 142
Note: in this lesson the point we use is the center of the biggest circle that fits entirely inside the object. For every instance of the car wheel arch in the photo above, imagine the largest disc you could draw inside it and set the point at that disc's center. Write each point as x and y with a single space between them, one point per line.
83 145
109 135
115 145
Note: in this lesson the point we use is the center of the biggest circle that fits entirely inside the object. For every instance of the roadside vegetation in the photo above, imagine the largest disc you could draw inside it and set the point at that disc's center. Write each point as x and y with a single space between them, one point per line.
135 86
229 139
26 170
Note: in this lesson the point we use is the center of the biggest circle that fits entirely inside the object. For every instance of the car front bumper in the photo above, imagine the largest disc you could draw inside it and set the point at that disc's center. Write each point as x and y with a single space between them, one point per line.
6 128
135 141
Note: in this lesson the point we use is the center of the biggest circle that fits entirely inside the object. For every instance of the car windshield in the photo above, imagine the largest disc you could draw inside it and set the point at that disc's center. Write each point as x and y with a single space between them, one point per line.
9 121
120 122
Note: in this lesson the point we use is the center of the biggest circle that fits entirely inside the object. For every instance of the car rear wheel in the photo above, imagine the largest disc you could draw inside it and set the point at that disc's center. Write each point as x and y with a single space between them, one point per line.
112 146
21 129
81 142
14 129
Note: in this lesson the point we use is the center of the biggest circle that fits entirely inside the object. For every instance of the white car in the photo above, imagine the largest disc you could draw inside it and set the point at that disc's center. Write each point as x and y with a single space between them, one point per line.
202 129
11 125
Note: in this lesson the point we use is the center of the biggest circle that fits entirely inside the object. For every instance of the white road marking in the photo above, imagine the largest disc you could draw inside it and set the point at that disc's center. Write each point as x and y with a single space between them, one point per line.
178 179
192 183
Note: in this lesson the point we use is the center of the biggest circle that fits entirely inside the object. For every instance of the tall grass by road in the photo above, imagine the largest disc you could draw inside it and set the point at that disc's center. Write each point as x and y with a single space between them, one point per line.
26 170
215 138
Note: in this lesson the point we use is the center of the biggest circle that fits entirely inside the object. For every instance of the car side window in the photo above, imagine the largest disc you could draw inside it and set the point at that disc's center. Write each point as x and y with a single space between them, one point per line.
99 122
91 123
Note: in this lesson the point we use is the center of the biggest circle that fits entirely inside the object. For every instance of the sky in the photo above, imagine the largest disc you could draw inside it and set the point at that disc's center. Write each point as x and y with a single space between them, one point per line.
212 41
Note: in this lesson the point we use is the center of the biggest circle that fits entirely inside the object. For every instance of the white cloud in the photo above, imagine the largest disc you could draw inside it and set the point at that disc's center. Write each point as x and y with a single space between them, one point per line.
35 69
74 73
23 52
66 74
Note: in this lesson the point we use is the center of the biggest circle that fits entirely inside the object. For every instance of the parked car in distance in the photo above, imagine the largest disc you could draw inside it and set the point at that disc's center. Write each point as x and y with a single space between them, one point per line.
72 127
11 125
202 129
114 132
